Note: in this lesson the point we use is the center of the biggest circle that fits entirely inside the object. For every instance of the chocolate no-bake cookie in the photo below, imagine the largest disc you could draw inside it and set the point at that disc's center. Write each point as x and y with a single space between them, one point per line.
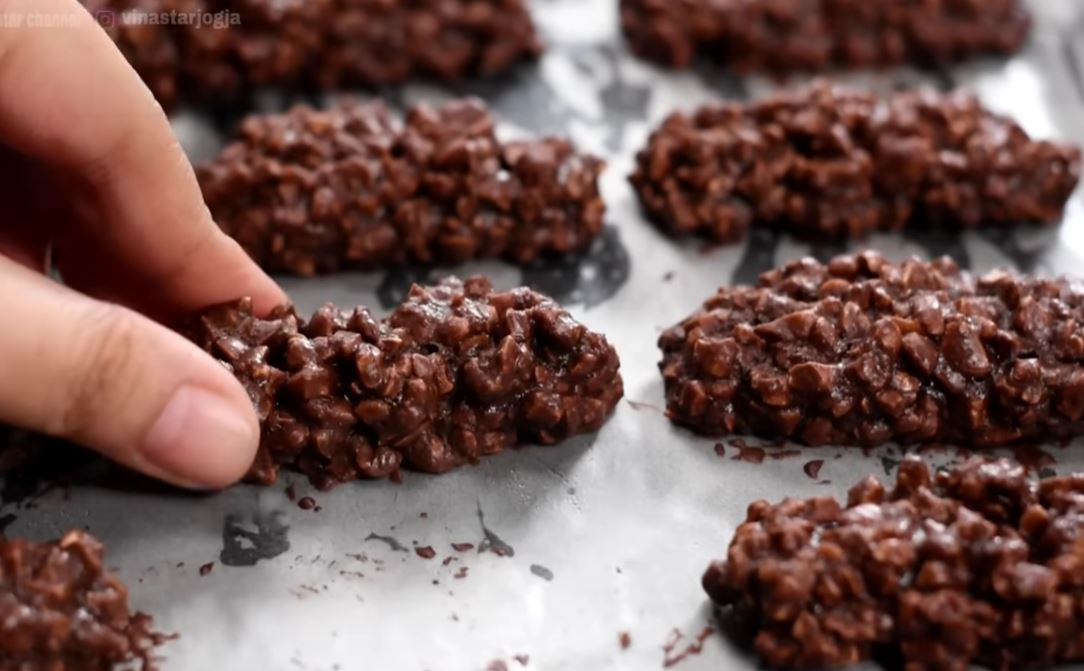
60 610
976 565
829 162
222 48
457 372
862 351
315 191
785 36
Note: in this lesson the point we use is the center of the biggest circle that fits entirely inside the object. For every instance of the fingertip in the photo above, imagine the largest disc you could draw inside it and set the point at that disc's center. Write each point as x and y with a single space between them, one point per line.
108 378
202 439
265 292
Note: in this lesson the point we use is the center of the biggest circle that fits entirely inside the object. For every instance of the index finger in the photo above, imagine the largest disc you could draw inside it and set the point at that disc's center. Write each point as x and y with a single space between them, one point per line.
72 101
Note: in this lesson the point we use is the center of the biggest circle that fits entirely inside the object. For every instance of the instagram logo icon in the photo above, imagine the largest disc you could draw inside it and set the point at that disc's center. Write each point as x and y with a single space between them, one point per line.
107 18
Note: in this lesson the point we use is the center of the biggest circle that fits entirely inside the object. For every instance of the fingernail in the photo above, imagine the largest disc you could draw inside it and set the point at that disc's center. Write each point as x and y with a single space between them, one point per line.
200 440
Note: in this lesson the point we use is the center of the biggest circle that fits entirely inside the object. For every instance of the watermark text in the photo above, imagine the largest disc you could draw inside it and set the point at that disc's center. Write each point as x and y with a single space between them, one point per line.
108 18
39 19
219 20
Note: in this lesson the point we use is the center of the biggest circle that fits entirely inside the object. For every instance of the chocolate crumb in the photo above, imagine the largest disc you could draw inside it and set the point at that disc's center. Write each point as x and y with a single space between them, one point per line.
748 453
672 656
206 568
307 503
522 659
425 552
813 467
462 547
625 640
784 454
720 449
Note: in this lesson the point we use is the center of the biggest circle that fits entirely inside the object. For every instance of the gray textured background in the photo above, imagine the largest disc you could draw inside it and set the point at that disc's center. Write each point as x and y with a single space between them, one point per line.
610 533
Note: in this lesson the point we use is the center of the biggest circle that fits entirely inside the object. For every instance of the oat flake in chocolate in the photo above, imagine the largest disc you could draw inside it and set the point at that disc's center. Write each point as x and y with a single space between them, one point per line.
976 565
60 610
861 351
785 36
456 373
316 191
237 46
826 162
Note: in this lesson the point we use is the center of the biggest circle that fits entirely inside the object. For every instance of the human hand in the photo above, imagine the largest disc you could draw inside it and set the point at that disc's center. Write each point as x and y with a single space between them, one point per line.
90 171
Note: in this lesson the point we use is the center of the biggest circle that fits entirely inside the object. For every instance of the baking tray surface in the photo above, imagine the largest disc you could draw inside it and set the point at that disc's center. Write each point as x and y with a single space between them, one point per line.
576 545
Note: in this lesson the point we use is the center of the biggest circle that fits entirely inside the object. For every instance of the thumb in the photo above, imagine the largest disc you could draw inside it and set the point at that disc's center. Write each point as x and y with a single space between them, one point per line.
112 380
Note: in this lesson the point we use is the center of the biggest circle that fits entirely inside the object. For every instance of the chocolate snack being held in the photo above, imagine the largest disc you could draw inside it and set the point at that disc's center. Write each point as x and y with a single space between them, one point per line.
59 609
826 162
316 191
785 36
862 351
974 565
457 372
225 48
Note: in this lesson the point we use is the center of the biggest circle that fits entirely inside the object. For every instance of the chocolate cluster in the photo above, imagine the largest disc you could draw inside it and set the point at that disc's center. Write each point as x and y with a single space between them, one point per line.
975 565
196 50
455 373
785 36
316 191
826 162
60 610
862 351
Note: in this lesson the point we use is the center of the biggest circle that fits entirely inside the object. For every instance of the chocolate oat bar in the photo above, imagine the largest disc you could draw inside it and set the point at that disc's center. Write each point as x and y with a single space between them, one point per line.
827 162
224 48
975 565
59 609
317 191
457 372
785 36
862 352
